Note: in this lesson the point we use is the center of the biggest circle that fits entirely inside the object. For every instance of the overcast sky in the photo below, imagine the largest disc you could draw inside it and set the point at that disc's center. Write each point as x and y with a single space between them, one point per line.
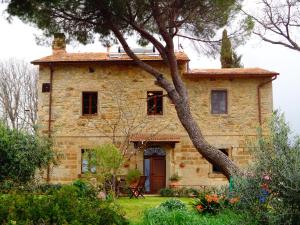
17 40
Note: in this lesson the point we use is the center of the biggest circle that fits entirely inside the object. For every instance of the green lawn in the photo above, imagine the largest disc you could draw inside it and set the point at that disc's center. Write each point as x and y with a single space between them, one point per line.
134 207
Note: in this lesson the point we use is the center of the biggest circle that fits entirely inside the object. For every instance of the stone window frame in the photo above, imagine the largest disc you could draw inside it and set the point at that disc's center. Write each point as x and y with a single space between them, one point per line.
227 102
97 107
163 104
213 174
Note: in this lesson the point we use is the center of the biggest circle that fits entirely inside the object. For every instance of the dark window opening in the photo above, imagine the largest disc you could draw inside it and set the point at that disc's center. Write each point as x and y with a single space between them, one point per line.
219 102
91 70
89 103
217 169
46 87
87 165
154 102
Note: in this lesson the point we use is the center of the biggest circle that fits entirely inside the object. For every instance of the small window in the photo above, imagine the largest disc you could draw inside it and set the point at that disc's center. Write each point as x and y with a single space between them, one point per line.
86 161
154 102
216 169
46 87
219 102
89 103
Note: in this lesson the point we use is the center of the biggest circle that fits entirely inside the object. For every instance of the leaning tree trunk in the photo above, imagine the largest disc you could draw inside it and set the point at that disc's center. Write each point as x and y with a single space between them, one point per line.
179 95
210 153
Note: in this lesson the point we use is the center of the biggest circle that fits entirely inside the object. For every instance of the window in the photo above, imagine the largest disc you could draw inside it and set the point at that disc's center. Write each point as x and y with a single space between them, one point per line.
154 102
46 87
86 161
89 103
216 169
219 102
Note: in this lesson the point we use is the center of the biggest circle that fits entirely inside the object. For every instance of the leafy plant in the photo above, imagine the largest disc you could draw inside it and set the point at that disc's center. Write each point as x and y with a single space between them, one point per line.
64 206
175 177
274 178
173 204
107 160
207 203
166 192
21 154
133 176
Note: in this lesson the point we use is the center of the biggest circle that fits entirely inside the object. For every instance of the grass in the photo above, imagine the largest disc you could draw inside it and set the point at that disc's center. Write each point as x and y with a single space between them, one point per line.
134 209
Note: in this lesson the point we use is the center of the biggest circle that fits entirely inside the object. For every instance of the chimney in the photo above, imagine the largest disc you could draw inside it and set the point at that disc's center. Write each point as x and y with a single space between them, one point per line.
59 44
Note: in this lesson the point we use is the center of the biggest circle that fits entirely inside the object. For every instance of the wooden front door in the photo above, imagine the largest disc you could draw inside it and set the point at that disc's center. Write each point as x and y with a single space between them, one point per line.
157 173
155 169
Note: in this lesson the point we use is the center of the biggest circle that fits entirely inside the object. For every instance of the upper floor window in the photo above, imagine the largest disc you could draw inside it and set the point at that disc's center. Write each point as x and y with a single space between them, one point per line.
154 102
89 103
217 169
219 102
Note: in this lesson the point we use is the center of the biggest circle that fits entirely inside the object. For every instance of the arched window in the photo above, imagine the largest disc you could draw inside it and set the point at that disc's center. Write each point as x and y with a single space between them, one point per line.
154 151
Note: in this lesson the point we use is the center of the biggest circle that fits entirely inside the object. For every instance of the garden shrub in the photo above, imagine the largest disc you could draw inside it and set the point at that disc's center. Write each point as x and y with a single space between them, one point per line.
85 189
270 190
173 204
166 192
21 154
208 203
164 216
179 192
64 206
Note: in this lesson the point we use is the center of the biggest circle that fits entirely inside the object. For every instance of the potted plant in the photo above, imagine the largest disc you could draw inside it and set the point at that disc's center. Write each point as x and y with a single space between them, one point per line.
133 177
175 178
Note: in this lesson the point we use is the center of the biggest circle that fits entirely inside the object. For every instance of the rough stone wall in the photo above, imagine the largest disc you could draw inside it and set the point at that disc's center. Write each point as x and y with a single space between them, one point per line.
125 86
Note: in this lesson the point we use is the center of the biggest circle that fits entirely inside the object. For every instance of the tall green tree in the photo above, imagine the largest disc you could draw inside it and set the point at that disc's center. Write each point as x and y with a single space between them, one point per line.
229 58
153 21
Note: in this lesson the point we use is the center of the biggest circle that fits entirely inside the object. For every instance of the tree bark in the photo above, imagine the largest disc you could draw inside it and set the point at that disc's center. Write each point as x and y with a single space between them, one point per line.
179 95
210 153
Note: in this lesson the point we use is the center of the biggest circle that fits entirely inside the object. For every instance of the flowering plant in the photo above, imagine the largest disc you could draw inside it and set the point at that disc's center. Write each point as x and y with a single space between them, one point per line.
208 203
212 203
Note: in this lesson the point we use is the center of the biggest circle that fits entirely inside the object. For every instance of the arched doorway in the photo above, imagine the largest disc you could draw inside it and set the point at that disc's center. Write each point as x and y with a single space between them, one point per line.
155 169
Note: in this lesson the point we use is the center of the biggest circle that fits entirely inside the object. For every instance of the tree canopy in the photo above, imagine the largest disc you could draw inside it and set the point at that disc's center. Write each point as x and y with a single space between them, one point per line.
152 21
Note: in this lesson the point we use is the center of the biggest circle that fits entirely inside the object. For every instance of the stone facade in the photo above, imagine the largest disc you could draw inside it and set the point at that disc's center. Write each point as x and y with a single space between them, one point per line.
72 132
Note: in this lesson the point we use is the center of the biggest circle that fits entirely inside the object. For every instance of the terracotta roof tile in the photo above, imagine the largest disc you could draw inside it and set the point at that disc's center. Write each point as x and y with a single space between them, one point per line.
154 138
230 72
63 57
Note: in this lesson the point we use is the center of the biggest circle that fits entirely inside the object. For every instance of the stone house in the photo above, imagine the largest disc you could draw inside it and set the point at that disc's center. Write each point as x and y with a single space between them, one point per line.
87 99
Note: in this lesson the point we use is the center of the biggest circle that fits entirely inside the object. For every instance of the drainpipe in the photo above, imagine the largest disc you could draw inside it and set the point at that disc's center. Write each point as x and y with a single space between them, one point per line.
259 98
50 116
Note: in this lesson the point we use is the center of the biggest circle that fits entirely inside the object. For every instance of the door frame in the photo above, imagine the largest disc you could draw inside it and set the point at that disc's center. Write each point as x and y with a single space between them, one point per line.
151 157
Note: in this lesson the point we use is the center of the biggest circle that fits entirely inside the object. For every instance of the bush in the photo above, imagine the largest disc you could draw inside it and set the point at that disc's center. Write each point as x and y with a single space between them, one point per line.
166 192
179 192
173 204
274 179
85 189
164 216
21 154
133 176
11 187
208 203
64 206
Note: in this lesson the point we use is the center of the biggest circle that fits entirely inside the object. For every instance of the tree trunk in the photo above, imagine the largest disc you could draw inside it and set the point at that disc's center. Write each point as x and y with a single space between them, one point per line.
210 153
